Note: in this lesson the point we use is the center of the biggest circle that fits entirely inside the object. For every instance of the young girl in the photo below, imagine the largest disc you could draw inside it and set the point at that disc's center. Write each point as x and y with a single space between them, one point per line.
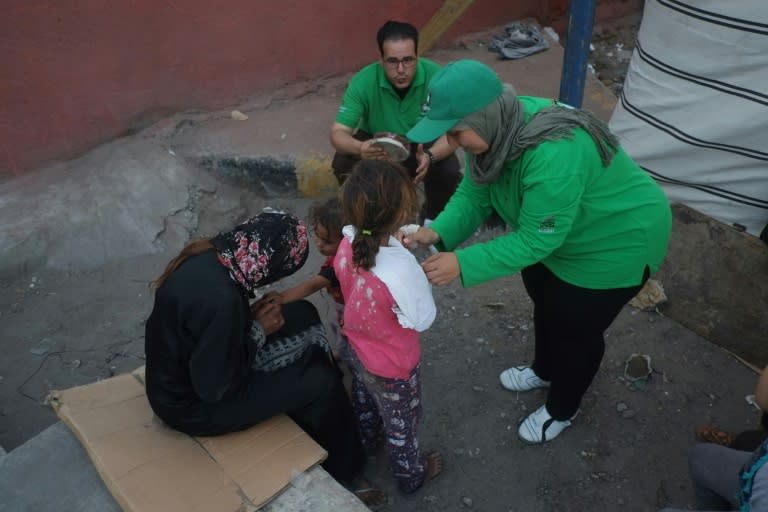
388 301
326 221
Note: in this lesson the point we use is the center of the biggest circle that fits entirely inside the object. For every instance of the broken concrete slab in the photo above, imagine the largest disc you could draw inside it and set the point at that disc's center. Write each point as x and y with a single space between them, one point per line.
715 277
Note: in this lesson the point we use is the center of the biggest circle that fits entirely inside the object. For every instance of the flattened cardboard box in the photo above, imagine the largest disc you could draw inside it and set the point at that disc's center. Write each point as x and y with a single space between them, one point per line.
149 467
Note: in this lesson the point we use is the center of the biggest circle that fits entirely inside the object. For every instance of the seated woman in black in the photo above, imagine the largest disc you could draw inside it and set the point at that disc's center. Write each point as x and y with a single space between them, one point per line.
216 364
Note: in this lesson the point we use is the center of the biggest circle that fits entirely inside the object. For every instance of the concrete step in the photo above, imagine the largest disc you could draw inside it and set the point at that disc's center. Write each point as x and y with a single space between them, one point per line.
52 471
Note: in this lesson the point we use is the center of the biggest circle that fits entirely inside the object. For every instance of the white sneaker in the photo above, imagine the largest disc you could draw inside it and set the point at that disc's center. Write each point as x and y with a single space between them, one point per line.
521 378
540 427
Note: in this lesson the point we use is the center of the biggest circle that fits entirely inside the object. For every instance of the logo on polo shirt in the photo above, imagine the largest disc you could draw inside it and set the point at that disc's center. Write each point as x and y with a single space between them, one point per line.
547 225
425 106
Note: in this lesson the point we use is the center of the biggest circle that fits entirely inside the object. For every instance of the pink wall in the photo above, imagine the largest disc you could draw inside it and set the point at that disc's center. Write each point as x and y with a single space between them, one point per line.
76 73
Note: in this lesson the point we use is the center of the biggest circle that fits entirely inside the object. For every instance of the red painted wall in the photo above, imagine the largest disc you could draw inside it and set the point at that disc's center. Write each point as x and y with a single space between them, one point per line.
77 73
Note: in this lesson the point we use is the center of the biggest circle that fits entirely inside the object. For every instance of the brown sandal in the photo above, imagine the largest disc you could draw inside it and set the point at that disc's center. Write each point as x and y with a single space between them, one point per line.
714 435
434 465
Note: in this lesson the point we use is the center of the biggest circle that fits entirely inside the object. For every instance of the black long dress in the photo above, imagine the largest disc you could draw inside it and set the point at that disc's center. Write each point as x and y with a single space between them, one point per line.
199 378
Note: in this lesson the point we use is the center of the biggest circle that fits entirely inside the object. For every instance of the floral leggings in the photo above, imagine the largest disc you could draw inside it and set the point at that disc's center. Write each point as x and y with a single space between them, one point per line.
389 410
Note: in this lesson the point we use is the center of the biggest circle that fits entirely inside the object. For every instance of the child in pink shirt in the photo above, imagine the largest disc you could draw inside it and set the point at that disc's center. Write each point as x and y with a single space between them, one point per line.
388 302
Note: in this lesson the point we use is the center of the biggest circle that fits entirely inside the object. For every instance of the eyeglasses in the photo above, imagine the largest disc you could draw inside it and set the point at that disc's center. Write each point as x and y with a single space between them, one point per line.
394 63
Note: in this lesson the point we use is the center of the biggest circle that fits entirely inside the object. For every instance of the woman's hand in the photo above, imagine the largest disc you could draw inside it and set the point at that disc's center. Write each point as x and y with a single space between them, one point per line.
424 163
273 296
441 268
423 236
268 313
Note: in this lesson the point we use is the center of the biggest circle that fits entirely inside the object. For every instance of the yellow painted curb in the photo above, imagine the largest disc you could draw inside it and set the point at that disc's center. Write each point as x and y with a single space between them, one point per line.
314 176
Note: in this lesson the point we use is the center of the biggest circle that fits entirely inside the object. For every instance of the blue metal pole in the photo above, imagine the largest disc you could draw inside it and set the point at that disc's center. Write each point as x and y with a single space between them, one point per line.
581 15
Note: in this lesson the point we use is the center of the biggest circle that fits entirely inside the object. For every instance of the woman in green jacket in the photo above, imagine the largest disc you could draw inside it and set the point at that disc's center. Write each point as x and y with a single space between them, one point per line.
587 225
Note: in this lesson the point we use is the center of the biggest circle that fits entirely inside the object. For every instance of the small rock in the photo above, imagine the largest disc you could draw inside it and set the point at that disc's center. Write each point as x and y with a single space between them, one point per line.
238 116
621 407
478 388
629 413
467 501
458 451
430 499
42 347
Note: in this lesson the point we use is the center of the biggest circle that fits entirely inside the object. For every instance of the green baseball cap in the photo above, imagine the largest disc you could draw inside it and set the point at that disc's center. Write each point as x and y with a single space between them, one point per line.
461 88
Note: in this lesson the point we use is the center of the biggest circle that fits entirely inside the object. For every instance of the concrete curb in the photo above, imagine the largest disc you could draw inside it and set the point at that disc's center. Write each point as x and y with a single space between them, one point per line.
306 175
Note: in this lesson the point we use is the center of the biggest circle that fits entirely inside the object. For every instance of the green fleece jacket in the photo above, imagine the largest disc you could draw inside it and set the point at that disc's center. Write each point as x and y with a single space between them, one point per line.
592 226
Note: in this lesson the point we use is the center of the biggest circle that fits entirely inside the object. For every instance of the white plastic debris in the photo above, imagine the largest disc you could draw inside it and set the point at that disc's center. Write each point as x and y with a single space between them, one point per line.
752 401
552 34
238 116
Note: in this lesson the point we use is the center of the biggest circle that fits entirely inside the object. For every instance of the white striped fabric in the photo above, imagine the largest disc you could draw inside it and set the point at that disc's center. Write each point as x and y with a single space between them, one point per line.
694 108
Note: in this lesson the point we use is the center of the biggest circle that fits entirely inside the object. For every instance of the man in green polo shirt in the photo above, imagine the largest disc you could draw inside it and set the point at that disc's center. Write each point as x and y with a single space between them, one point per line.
387 96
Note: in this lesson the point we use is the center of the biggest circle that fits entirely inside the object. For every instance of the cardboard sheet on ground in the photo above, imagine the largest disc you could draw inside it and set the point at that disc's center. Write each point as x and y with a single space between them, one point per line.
148 467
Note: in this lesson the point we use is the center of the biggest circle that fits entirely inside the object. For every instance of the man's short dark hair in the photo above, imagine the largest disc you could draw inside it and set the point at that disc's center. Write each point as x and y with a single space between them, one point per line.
397 31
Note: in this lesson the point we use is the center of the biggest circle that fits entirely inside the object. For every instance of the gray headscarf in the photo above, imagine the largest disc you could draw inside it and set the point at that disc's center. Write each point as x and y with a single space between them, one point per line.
502 125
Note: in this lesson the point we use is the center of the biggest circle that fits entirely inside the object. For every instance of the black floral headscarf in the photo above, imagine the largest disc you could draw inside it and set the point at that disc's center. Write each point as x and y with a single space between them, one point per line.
263 249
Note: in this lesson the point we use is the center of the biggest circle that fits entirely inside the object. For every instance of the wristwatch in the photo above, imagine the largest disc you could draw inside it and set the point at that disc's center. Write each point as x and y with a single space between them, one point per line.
430 156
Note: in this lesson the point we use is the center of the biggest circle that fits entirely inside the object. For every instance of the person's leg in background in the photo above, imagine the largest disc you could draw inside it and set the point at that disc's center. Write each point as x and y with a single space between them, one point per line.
714 470
342 164
440 184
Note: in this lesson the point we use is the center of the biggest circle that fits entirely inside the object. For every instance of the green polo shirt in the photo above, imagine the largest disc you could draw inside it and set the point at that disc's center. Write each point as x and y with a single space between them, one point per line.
371 103
592 226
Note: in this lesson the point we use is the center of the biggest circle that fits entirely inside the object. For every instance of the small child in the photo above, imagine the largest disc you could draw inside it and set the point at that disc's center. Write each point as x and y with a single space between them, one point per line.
388 302
326 221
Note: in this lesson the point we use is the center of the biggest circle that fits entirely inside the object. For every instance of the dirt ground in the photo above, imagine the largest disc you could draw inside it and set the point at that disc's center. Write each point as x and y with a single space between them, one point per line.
612 45
626 450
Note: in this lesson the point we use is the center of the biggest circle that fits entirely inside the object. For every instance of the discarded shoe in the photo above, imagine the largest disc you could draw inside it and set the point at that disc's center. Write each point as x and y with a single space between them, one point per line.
539 427
521 378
